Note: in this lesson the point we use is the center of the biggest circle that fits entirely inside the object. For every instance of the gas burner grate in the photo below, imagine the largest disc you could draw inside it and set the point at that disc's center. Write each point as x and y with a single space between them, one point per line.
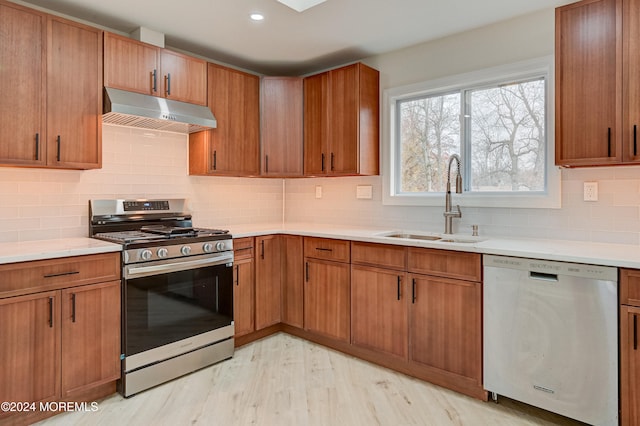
127 236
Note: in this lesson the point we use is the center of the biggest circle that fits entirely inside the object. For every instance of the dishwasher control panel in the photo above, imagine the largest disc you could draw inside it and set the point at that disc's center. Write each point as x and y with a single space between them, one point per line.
599 272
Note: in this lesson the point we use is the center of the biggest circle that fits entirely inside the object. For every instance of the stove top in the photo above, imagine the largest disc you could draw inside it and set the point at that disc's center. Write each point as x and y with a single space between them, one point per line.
151 230
156 233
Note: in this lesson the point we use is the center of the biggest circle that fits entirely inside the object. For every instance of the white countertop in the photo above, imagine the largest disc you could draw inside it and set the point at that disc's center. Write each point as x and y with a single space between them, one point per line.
619 255
50 249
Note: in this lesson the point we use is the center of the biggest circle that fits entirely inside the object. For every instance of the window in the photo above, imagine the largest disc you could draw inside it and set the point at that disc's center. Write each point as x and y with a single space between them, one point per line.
496 120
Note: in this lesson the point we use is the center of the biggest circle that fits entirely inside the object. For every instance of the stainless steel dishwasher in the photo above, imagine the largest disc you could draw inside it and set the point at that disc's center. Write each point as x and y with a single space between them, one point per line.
550 336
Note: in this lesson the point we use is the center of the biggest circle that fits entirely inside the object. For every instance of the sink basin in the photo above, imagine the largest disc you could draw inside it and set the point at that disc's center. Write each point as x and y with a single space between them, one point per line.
434 238
415 237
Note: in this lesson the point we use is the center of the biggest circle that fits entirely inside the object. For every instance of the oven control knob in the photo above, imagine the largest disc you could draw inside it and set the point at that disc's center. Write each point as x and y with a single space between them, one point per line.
162 252
220 246
185 250
146 254
207 247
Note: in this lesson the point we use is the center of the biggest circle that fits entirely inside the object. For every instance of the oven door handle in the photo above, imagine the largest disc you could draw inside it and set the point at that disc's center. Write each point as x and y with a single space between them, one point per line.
133 271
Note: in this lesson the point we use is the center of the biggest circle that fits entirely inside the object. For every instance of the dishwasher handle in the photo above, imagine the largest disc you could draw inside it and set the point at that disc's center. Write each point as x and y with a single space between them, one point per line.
542 276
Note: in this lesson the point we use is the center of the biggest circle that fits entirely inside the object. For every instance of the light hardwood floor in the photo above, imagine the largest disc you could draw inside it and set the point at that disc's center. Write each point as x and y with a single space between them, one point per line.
283 380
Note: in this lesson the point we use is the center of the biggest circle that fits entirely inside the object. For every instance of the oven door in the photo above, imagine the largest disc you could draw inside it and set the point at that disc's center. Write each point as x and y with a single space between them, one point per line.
175 306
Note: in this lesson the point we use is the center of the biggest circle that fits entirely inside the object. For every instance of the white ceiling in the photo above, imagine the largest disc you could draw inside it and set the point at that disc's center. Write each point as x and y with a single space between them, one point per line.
287 42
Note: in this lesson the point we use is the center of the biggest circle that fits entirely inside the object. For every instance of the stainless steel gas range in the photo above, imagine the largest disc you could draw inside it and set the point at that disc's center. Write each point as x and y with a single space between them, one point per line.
177 289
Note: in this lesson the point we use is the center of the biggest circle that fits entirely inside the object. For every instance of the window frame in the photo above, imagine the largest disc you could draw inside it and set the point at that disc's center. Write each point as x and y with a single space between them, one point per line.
539 67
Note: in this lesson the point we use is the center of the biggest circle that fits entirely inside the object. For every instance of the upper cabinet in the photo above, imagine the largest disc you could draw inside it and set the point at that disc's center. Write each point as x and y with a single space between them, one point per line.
74 96
341 122
143 68
281 124
233 147
597 95
51 85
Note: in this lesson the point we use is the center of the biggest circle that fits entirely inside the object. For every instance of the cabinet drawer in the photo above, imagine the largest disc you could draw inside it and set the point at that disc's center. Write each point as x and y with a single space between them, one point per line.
42 275
325 248
379 255
243 248
630 287
445 263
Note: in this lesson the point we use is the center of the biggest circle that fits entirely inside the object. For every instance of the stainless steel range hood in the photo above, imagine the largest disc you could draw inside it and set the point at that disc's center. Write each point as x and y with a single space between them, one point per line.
150 112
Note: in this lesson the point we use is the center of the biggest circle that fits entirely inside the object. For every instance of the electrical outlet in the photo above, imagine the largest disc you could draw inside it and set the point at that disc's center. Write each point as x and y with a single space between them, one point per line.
591 191
318 191
364 192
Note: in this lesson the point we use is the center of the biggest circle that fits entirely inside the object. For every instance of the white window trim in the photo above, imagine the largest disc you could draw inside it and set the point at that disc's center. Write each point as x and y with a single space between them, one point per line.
549 199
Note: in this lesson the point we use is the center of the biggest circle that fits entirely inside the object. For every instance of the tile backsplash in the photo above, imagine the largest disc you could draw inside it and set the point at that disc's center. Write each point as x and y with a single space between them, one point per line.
614 218
43 203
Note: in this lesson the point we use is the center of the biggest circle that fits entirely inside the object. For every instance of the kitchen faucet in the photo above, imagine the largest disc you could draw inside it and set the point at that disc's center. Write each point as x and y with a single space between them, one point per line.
449 214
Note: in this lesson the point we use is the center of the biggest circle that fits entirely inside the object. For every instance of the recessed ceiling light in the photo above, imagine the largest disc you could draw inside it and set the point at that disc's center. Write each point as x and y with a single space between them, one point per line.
256 16
301 5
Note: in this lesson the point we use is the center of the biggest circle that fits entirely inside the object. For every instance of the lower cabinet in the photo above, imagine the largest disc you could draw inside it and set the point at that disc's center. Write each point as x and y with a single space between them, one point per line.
629 347
268 261
244 288
629 366
379 310
446 325
30 349
90 336
292 281
327 299
64 343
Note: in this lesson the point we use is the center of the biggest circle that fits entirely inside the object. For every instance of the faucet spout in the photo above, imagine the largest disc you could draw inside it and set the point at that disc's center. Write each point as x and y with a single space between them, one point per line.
449 213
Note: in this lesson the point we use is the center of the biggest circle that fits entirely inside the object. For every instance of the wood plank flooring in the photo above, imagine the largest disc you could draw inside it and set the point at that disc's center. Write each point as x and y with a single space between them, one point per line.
283 380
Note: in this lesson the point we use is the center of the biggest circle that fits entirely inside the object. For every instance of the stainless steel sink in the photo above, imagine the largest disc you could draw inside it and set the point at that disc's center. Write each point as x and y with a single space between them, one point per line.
415 237
434 238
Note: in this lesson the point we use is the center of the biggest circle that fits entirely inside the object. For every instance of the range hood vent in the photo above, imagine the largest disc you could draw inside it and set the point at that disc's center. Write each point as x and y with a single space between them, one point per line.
149 112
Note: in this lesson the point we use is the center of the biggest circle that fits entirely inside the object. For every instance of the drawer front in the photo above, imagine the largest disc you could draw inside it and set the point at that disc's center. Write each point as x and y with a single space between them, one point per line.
243 248
328 249
43 275
379 255
630 287
445 263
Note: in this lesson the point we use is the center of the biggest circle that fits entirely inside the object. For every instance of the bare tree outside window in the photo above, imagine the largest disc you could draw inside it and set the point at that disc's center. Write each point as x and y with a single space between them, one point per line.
429 134
508 137
505 138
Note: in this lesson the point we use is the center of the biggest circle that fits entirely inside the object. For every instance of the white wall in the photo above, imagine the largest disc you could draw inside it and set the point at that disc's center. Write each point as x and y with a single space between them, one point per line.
614 218
43 204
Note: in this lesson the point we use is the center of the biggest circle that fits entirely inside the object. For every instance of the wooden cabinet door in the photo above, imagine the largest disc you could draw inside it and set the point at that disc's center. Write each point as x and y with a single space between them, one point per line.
327 306
74 95
446 325
379 310
30 349
343 116
90 336
629 366
184 78
631 89
131 65
22 85
243 297
292 280
315 124
589 83
233 147
281 126
268 281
